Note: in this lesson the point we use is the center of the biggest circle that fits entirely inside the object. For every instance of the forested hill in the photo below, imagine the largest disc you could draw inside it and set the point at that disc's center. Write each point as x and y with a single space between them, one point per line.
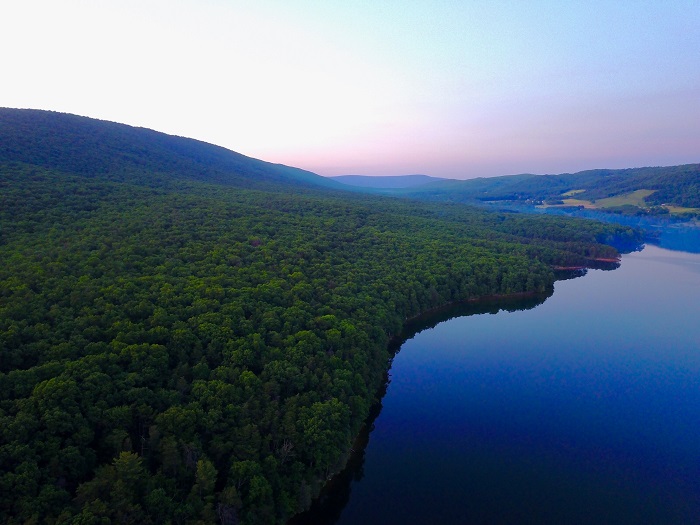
671 185
119 152
202 352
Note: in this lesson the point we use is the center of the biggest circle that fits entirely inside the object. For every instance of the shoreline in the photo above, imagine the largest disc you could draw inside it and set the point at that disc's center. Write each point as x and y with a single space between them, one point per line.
394 345
395 341
597 262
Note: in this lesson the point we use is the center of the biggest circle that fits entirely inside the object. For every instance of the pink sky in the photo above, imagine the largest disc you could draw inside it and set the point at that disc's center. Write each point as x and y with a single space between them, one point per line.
442 88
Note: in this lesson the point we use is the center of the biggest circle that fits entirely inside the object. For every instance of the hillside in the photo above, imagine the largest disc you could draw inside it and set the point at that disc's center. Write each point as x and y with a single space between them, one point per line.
191 336
671 186
118 152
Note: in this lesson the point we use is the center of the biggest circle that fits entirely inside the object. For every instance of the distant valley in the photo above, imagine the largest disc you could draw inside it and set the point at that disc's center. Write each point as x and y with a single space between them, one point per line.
386 182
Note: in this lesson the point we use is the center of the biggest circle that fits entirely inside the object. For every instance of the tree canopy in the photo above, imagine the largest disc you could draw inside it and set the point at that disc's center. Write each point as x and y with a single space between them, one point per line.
176 350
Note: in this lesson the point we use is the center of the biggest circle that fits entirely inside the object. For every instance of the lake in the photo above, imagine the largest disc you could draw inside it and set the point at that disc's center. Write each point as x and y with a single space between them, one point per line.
582 409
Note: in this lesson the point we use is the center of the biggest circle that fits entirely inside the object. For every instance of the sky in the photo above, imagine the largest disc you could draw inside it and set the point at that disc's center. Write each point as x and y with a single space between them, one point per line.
443 88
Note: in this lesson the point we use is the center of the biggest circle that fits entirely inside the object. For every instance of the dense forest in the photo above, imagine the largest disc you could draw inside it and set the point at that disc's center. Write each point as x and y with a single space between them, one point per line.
188 335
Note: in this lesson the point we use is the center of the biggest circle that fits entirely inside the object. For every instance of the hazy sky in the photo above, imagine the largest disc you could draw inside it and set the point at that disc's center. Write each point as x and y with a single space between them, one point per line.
445 88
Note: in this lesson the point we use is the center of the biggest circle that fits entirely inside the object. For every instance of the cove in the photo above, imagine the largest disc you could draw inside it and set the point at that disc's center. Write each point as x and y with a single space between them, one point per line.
583 408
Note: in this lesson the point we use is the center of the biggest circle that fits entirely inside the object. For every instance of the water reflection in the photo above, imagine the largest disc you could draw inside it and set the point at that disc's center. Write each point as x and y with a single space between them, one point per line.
585 409
327 508
489 305
335 495
669 233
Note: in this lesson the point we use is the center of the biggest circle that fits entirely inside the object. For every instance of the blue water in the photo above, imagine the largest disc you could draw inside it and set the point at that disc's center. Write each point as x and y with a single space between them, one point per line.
667 232
584 409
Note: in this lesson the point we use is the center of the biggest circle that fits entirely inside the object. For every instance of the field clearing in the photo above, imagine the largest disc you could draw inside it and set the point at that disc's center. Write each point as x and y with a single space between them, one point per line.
570 202
636 198
579 202
680 209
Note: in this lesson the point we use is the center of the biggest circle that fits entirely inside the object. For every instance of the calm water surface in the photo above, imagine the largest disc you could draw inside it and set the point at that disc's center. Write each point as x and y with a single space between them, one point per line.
584 409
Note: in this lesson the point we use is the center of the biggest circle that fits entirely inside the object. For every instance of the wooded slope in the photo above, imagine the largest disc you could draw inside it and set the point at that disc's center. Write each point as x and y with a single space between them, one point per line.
676 185
176 350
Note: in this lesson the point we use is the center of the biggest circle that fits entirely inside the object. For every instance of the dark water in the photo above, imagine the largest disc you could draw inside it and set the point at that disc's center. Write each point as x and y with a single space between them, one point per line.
583 409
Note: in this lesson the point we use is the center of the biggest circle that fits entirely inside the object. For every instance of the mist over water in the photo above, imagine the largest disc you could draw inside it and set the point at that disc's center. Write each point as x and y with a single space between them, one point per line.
582 409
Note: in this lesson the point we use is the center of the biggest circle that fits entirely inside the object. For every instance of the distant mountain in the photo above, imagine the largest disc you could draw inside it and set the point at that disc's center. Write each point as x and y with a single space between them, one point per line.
386 182
119 152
